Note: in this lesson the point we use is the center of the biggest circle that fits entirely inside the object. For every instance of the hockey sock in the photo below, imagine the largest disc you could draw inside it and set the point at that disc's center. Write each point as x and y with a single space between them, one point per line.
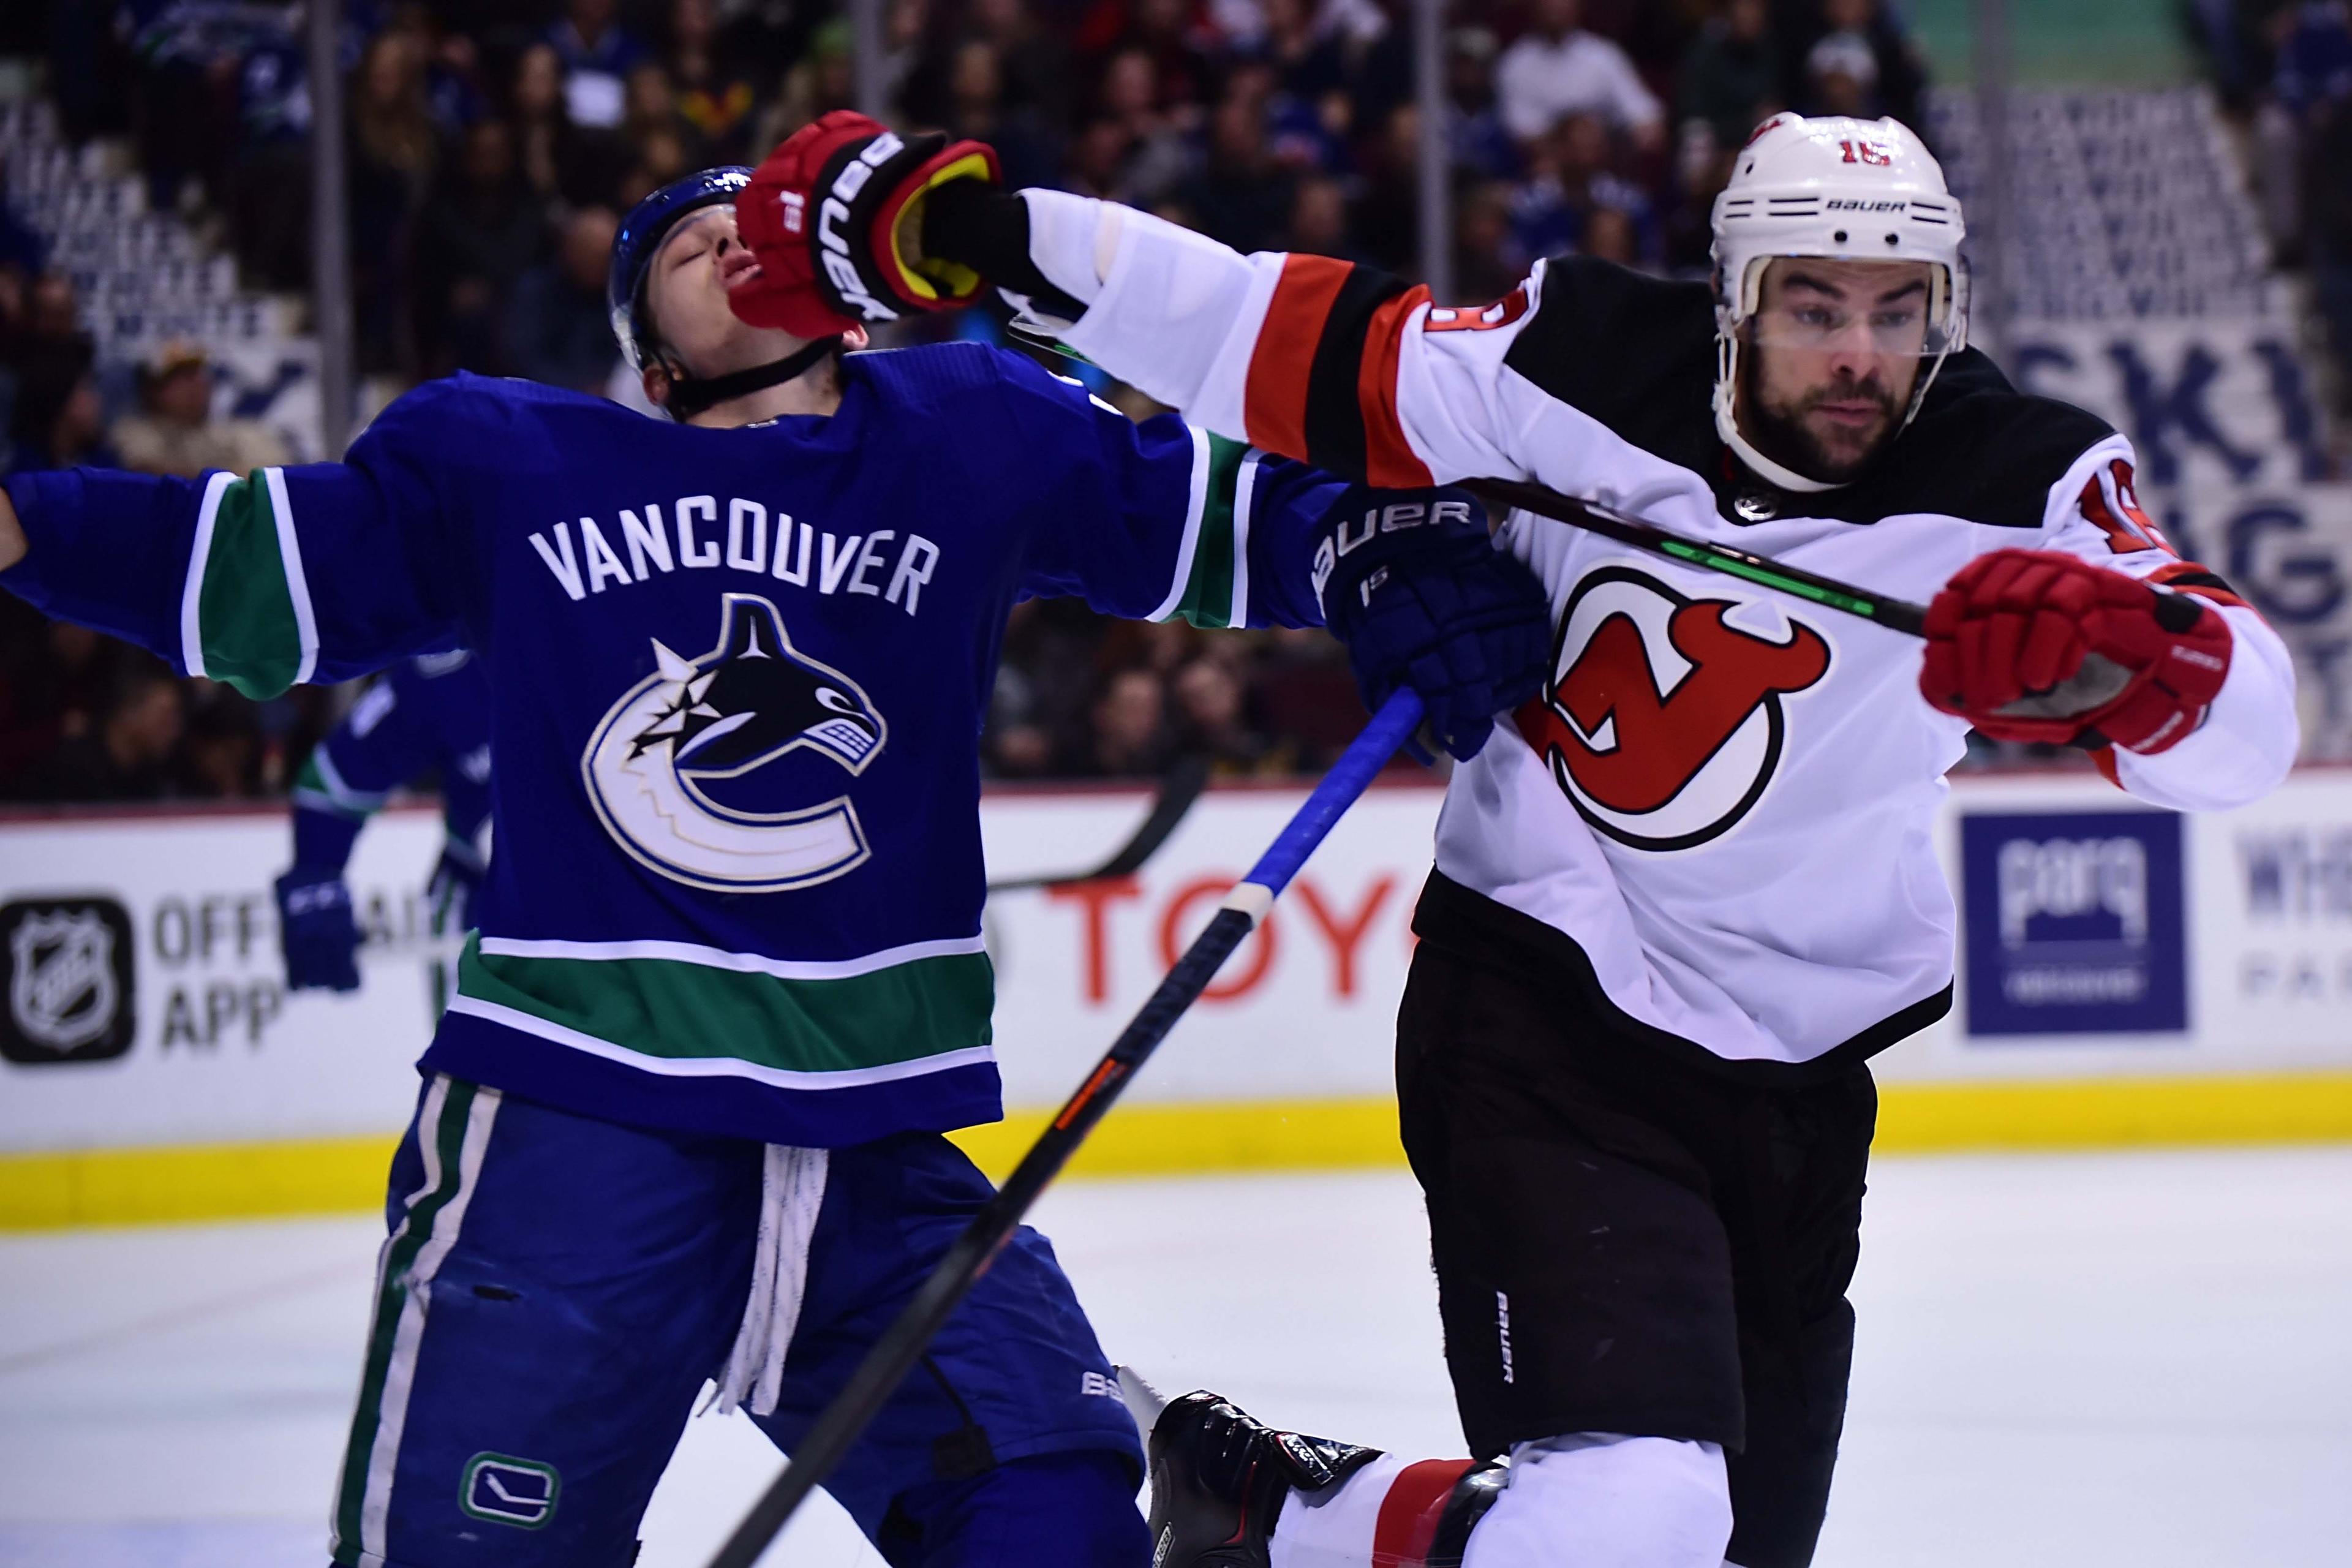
1595 1499
1388 1514
1591 1500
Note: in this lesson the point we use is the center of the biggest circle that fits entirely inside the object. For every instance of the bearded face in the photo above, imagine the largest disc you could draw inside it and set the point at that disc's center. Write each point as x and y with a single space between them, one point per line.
1832 353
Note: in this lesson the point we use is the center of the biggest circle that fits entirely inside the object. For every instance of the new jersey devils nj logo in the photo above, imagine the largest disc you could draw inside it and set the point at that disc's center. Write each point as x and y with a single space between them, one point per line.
652 764
1663 722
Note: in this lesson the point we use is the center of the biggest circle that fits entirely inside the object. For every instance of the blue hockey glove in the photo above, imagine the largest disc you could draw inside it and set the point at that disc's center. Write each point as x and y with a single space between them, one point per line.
316 930
449 896
1416 590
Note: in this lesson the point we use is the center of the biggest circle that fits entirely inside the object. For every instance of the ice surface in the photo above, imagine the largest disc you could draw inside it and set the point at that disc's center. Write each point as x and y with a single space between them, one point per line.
2137 1360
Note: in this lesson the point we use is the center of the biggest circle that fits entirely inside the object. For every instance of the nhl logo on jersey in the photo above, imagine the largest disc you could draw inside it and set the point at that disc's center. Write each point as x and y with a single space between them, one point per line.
681 733
1662 723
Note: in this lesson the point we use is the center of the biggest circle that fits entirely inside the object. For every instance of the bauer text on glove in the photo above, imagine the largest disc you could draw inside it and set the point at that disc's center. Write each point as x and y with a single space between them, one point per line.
1415 588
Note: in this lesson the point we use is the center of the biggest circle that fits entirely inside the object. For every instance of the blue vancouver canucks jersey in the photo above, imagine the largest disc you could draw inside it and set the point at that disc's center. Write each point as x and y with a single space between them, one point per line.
430 713
737 678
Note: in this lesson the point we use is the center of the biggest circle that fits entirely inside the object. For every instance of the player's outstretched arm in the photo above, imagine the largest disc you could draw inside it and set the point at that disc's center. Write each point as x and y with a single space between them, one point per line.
1163 520
2105 637
1304 356
264 581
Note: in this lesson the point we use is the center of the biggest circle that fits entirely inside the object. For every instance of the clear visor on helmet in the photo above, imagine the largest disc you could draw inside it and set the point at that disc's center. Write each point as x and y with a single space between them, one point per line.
1883 309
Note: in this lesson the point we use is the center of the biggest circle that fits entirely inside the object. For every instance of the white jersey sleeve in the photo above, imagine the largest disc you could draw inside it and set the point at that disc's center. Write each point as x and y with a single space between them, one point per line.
2248 740
1312 358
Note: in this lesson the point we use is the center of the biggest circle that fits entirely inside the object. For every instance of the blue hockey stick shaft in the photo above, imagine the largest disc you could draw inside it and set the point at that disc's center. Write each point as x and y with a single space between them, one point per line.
842 1422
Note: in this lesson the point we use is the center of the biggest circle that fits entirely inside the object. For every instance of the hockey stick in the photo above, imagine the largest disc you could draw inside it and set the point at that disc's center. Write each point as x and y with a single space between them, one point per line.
901 1345
1895 615
1179 788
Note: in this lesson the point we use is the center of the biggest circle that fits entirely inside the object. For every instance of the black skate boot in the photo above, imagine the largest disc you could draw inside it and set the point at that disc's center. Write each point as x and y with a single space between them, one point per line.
1219 1479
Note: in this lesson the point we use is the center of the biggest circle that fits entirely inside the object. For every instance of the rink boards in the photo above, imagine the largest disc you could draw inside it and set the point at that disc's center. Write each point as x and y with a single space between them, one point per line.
2126 976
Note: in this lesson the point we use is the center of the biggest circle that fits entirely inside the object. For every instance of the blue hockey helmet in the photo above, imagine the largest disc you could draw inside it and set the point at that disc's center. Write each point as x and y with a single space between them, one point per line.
641 234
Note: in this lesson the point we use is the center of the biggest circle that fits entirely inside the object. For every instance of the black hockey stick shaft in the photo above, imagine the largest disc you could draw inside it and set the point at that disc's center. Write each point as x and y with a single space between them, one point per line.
1179 788
1895 615
839 1426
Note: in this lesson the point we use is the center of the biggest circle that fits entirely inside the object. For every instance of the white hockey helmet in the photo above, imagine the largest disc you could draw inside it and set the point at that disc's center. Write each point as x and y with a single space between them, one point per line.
1852 190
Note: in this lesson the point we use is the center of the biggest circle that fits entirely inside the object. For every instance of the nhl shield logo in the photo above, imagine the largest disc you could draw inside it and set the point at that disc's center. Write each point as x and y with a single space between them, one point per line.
677 736
69 980
1663 722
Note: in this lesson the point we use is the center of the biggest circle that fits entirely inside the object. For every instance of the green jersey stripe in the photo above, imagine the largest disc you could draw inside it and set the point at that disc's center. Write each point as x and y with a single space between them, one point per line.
442 1126
320 786
665 1016
1209 599
253 626
746 962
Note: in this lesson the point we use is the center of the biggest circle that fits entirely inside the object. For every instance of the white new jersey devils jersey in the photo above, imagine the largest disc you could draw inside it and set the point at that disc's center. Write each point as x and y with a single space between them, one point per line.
1718 812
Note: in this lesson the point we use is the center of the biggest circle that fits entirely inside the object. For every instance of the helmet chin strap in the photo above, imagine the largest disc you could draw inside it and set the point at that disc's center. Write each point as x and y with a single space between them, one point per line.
689 396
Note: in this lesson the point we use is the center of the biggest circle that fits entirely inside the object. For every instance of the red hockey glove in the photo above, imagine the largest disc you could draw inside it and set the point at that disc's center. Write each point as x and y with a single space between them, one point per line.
831 217
2032 645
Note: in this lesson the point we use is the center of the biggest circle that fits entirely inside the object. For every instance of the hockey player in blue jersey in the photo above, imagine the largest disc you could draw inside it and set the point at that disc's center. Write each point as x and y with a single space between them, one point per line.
427 714
682 1120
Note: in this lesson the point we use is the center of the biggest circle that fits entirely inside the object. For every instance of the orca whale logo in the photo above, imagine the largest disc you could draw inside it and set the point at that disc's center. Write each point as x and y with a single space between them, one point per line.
749 701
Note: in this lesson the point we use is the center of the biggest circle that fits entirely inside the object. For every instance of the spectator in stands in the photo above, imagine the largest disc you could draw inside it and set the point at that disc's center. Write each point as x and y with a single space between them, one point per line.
1126 735
1557 69
1318 220
59 421
561 161
1156 159
1243 195
1212 719
127 756
1306 56
175 432
394 146
597 54
976 109
484 229
219 757
1040 73
715 91
1164 31
1842 77
1890 84
1480 145
1388 210
562 335
1488 257
1570 179
1730 76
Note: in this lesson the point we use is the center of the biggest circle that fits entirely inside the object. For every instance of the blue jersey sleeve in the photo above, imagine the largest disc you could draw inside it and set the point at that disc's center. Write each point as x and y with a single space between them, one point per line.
426 714
321 571
1160 519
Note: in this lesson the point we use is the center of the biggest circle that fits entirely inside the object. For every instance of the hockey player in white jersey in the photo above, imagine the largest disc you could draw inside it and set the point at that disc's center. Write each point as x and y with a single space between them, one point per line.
1683 898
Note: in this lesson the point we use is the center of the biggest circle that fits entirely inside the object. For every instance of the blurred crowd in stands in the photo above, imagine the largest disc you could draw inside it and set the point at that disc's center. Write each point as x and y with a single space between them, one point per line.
2284 66
492 143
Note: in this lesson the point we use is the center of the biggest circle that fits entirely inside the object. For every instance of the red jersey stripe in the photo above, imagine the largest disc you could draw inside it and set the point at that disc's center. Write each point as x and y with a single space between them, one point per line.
1409 1514
1389 461
1273 404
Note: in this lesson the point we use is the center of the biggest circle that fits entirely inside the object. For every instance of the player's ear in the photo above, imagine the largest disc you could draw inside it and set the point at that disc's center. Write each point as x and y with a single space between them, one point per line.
855 339
654 379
